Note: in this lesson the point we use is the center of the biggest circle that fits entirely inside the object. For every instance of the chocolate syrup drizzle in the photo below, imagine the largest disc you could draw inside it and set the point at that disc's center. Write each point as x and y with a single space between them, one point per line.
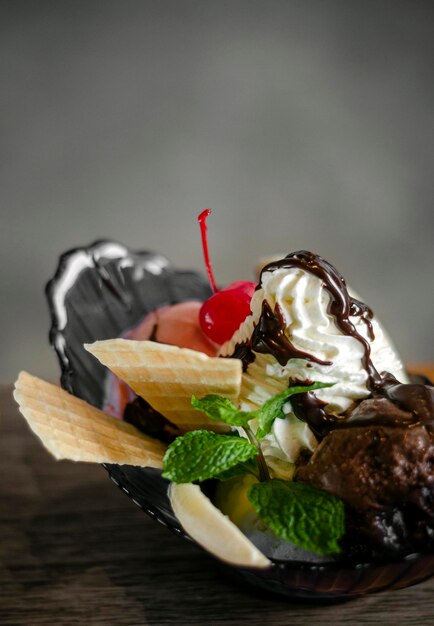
269 338
341 305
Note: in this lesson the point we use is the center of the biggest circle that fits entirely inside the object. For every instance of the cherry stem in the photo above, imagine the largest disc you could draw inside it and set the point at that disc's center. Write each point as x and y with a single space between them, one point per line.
203 228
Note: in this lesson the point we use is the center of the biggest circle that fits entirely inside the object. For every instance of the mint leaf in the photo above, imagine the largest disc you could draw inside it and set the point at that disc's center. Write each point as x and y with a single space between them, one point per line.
202 454
273 408
221 409
248 467
300 514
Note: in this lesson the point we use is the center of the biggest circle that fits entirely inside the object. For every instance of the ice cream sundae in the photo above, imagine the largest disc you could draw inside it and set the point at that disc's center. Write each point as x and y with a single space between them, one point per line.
288 394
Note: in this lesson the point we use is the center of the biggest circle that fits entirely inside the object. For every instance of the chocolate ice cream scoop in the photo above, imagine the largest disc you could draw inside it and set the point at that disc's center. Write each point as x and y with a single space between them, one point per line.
381 464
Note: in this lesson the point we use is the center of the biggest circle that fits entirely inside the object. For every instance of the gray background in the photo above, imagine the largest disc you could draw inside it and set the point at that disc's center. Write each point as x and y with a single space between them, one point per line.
303 124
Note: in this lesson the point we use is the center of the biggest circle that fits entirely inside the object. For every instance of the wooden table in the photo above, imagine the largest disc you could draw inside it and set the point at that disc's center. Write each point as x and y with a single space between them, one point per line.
75 550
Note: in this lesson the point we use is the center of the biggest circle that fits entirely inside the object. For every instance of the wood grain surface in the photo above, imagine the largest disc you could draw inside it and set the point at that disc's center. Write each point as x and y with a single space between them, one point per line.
75 550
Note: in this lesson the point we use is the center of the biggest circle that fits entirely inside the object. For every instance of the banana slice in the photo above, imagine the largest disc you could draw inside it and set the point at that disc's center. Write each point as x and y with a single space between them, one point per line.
215 532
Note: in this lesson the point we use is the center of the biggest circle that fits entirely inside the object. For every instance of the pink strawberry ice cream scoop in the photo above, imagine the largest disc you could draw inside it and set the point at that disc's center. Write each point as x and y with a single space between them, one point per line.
176 324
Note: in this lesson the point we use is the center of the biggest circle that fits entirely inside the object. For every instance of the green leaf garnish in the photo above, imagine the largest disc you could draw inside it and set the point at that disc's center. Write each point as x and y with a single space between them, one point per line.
202 454
221 409
273 408
248 467
300 514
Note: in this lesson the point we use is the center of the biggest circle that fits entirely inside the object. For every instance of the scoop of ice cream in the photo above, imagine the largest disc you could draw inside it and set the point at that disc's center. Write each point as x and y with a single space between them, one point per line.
175 324
382 470
305 327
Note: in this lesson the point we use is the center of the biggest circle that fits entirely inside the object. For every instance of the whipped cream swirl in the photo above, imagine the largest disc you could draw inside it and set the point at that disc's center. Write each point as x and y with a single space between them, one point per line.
304 305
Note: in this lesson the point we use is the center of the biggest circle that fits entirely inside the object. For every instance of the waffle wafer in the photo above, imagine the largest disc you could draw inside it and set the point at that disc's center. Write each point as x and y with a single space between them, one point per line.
72 429
167 376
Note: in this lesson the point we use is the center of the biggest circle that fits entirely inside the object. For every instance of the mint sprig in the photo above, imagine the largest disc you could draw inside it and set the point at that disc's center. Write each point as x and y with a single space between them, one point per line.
223 410
300 514
272 409
296 512
202 454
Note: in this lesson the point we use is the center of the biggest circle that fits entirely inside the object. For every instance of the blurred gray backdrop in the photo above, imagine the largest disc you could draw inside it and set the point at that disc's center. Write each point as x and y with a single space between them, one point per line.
302 123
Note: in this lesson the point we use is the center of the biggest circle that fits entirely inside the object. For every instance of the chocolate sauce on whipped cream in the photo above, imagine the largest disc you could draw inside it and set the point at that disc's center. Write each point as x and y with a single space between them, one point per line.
341 306
269 338
310 409
415 401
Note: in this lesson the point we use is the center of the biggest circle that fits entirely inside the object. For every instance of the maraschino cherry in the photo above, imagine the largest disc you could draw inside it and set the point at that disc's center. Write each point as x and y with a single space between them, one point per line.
223 312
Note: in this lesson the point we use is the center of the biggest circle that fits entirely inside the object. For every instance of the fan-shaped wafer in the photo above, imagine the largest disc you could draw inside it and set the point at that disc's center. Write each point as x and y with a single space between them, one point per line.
72 429
167 376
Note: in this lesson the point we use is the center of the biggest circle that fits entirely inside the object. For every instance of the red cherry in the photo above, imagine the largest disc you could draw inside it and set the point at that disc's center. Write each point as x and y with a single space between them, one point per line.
221 315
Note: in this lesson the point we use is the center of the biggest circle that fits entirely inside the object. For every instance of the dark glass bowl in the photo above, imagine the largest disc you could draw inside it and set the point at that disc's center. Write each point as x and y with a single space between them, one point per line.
102 290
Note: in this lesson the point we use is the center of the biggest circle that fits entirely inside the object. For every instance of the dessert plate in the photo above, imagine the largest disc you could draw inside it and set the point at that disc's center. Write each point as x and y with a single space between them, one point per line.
102 290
